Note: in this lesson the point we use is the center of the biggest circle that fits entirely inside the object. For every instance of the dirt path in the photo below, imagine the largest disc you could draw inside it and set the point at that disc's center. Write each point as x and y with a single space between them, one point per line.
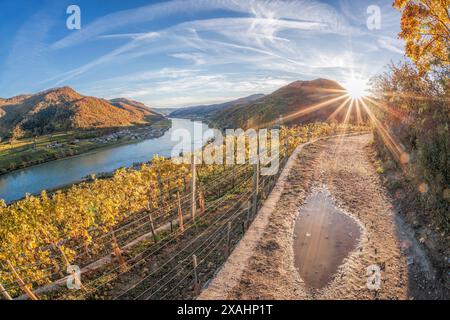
342 168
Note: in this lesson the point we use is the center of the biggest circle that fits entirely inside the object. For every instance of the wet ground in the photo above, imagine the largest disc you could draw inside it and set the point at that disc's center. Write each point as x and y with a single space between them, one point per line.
270 270
323 237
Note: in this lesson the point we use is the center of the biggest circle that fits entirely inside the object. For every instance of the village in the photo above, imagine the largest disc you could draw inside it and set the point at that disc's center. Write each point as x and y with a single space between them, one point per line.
125 135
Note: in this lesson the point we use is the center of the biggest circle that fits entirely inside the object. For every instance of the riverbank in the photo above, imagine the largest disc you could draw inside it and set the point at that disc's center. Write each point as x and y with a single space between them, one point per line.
29 152
54 175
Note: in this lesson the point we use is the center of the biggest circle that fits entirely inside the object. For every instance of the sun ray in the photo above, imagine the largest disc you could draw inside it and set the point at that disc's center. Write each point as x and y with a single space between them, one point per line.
340 140
356 87
338 109
415 96
395 113
315 107
349 112
305 111
342 91
349 103
397 151
358 112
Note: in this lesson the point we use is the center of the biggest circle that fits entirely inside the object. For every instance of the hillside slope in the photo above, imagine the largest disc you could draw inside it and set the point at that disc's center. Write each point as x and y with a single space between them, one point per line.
63 108
298 102
205 112
165 111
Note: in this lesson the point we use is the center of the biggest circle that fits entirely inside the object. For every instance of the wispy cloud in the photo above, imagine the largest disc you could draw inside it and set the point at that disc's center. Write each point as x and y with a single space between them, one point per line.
271 10
257 33
222 48
214 88
391 44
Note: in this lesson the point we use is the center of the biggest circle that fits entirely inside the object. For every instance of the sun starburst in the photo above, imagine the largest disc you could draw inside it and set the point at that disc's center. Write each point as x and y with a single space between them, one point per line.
357 87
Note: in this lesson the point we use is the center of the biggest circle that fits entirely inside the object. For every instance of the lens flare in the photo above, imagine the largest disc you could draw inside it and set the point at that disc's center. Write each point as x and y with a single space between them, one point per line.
357 88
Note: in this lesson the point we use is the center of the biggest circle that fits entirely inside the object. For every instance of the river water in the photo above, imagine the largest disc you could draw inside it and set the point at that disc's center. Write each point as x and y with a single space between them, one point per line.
324 237
55 174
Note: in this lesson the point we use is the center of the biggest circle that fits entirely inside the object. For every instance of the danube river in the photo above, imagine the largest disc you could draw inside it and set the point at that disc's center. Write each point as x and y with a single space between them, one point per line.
59 173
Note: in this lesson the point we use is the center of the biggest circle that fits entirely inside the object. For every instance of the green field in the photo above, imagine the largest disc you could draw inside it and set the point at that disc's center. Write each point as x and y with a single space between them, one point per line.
29 151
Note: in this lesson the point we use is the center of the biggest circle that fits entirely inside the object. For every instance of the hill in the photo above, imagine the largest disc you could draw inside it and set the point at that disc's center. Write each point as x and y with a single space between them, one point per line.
298 102
165 111
205 112
62 109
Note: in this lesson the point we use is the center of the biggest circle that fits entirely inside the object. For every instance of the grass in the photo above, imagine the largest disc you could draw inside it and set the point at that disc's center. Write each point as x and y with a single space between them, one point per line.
29 151
380 170
379 167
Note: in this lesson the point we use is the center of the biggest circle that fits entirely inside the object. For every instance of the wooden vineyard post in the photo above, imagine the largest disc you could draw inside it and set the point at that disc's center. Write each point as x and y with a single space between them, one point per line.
255 187
196 280
180 214
168 195
4 293
249 211
160 186
185 184
193 187
86 250
72 272
201 200
286 147
57 269
256 170
233 178
263 188
228 246
21 283
152 227
118 253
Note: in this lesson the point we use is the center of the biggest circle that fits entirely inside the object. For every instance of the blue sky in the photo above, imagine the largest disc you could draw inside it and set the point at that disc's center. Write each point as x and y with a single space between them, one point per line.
179 53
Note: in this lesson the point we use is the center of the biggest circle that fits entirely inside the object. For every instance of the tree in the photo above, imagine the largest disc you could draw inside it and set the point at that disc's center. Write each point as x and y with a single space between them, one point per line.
425 28
415 110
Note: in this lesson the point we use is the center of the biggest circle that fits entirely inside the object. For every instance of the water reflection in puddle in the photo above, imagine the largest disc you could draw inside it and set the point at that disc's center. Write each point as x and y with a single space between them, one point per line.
324 236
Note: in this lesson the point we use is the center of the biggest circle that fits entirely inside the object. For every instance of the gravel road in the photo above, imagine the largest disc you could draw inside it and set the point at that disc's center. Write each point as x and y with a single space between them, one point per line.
342 168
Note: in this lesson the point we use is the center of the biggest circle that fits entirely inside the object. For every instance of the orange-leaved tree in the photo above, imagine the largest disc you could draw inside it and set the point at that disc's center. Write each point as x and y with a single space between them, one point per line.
425 28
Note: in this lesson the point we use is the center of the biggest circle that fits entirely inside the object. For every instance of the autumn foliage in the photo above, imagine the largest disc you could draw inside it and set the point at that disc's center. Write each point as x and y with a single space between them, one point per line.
39 233
415 100
426 30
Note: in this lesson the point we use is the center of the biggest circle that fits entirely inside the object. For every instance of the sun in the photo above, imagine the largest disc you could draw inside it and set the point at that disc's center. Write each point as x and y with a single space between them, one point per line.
356 87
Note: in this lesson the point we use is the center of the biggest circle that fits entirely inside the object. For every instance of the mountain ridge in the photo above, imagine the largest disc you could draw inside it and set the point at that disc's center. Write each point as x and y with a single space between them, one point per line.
204 112
294 103
60 109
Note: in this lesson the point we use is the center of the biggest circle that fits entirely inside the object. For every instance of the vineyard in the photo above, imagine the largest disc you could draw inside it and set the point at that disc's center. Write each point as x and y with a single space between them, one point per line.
159 232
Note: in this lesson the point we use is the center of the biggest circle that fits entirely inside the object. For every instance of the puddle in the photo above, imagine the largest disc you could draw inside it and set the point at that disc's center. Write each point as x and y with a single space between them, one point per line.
324 236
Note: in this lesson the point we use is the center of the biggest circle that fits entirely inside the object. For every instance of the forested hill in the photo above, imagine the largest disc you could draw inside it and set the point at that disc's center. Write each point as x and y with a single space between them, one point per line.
62 109
298 102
